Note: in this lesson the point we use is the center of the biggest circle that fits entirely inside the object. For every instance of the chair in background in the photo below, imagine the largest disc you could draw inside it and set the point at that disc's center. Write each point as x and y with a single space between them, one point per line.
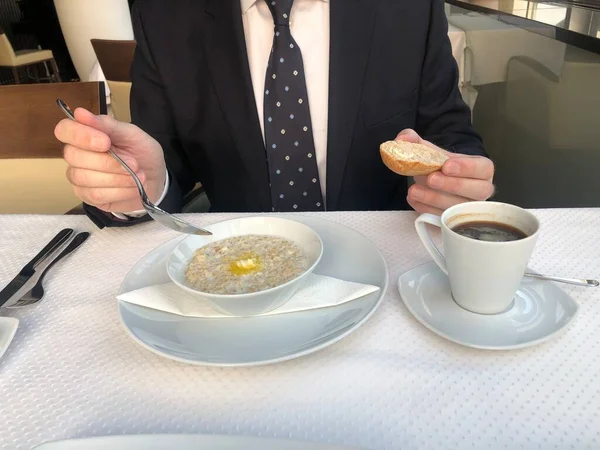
32 171
25 58
115 58
550 154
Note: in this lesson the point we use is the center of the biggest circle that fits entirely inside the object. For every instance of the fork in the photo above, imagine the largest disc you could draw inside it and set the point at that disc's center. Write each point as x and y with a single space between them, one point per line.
37 292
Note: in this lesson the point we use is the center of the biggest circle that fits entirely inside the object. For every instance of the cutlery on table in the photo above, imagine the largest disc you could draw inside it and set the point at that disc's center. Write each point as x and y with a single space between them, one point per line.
29 270
161 216
575 281
37 292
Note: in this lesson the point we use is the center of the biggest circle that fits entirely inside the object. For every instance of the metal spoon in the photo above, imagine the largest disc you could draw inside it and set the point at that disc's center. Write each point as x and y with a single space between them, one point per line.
575 281
161 216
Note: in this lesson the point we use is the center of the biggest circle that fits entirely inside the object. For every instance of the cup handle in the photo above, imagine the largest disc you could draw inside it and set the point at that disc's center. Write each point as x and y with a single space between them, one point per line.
420 225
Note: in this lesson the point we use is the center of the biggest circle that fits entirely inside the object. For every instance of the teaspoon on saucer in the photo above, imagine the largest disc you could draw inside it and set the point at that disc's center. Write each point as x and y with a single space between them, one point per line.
575 281
161 216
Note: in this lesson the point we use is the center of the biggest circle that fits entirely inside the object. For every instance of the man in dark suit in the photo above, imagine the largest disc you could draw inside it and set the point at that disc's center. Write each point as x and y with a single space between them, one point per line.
280 105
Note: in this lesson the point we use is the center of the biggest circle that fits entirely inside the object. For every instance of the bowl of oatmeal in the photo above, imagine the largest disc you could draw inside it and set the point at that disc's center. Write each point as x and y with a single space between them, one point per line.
248 266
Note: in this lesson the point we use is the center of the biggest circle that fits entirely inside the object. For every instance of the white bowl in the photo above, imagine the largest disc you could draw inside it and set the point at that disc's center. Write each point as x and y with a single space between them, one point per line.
256 302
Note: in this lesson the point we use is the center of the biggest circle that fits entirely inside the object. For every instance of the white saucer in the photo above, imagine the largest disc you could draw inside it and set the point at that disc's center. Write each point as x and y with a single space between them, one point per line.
8 328
540 312
250 341
197 442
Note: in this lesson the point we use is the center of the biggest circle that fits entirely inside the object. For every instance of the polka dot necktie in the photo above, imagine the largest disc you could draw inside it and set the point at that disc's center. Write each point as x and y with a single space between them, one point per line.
288 132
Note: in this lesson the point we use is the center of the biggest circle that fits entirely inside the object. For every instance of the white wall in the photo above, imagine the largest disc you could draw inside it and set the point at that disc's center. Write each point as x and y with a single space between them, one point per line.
82 20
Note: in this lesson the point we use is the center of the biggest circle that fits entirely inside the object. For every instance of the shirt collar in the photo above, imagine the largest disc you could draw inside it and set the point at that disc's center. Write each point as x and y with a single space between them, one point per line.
247 4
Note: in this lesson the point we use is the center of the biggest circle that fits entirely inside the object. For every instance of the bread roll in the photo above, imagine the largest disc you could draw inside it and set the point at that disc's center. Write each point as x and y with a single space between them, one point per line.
409 159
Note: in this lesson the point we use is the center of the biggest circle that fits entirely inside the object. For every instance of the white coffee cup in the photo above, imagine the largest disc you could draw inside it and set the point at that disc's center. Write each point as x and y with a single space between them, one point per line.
484 276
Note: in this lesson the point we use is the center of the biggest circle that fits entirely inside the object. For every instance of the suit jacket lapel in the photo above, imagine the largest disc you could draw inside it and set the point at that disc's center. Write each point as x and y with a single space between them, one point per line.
352 24
227 59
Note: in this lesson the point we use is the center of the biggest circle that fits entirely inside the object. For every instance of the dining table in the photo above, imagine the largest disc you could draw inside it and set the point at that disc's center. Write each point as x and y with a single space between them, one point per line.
73 372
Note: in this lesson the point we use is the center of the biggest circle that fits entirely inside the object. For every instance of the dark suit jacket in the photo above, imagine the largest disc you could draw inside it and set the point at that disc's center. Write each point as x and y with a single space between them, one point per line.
391 67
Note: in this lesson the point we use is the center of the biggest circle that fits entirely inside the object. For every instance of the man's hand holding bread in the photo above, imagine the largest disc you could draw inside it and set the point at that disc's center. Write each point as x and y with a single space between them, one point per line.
442 179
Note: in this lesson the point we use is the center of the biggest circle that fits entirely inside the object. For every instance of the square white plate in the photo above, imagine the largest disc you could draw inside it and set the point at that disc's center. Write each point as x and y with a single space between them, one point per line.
187 442
8 328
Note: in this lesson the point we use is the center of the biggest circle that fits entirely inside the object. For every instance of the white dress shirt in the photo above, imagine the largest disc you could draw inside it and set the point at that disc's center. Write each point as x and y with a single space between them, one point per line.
309 24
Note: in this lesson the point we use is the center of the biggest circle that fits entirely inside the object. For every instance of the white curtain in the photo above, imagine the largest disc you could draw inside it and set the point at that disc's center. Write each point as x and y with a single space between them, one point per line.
83 20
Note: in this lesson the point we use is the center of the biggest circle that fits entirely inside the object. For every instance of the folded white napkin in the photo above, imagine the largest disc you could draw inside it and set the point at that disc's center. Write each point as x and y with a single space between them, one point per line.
318 292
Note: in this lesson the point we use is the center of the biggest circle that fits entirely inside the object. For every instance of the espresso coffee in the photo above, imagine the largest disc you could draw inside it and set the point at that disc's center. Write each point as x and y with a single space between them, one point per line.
489 231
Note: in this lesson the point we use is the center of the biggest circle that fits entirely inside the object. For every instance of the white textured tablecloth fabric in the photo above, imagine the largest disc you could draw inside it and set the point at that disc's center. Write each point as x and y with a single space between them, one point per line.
72 371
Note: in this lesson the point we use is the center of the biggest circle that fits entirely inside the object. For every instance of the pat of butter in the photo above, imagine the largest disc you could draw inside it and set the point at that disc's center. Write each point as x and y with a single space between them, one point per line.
246 263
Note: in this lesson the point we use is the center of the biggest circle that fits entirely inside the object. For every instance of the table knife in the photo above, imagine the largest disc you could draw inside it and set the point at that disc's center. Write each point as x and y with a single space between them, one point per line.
37 292
29 270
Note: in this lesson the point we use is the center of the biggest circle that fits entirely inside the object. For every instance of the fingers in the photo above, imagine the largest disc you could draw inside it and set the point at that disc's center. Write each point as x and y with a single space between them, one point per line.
421 180
469 167
100 162
97 178
434 198
469 188
462 178
424 209
90 132
82 136
458 165
409 135
93 179
106 198
122 207
117 131
85 117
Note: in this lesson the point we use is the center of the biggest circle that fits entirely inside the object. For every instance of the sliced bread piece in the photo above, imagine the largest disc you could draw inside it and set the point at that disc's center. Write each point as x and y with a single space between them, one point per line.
409 159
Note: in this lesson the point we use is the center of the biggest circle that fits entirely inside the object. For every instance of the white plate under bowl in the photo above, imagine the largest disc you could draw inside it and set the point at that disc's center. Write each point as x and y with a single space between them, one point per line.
253 303
183 441
259 340
540 312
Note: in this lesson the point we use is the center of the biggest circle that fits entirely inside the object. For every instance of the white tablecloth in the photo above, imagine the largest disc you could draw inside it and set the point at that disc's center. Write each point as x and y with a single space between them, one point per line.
73 372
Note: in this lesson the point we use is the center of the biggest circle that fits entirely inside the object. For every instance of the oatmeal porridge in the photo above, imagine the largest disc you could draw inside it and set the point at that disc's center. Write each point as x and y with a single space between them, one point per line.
245 264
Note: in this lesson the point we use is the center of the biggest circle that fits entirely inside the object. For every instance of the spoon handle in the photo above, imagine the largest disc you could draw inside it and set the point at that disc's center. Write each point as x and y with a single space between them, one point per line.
138 183
575 281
